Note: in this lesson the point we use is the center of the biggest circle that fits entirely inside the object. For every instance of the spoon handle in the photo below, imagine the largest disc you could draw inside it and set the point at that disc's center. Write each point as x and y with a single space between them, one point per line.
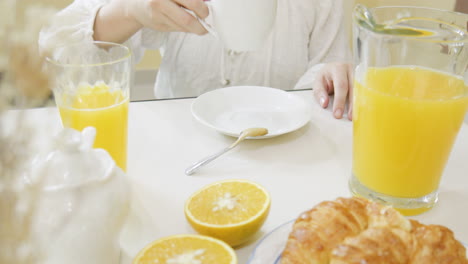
253 132
190 170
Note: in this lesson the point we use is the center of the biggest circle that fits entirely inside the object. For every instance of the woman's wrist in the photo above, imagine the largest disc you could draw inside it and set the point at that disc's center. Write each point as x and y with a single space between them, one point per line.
114 23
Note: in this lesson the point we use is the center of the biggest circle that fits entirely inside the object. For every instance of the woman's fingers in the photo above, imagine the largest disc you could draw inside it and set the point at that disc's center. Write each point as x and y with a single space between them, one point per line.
321 91
339 75
337 79
182 18
168 25
169 15
197 6
351 89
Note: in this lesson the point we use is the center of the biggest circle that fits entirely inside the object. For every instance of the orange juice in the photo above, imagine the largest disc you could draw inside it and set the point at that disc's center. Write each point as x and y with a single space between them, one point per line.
104 109
405 122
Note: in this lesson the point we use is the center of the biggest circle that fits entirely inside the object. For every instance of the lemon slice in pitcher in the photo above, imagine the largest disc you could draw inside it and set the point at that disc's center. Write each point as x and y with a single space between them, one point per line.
232 210
187 249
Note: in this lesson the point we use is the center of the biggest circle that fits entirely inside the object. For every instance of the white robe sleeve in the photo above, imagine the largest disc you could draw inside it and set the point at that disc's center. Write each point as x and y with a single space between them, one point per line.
75 24
329 39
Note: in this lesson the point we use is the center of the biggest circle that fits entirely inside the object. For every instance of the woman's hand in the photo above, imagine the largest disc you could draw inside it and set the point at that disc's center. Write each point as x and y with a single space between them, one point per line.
335 79
118 20
168 15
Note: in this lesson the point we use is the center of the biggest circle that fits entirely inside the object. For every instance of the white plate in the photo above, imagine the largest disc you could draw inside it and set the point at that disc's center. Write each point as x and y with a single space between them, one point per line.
233 109
270 247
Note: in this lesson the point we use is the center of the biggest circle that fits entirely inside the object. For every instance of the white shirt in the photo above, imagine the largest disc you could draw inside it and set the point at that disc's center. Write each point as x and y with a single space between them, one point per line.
306 34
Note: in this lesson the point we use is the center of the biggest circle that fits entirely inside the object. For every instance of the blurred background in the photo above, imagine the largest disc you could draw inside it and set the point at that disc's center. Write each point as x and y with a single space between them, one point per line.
147 68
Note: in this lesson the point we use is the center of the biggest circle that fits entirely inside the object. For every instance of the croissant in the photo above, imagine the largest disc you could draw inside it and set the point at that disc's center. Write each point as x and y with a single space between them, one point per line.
357 231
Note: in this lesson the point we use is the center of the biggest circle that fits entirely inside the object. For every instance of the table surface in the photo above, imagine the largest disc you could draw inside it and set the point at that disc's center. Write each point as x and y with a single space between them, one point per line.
299 169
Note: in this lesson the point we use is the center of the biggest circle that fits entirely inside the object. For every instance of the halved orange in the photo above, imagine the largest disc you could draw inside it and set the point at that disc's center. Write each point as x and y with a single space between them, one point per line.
231 210
186 249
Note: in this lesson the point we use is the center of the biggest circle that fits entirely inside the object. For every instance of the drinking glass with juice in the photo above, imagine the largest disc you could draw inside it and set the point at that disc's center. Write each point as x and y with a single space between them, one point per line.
92 89
106 110
410 99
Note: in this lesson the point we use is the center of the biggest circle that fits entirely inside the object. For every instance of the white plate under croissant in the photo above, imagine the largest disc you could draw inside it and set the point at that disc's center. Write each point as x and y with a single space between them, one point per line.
271 247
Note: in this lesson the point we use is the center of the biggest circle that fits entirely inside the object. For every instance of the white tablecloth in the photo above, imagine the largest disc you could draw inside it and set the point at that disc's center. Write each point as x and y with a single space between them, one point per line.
299 170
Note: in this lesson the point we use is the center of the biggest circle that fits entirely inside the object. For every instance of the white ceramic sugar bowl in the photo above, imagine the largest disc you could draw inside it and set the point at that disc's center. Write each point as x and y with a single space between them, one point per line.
84 200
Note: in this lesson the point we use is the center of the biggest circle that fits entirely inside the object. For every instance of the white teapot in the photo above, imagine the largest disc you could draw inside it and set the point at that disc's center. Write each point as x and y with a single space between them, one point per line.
84 200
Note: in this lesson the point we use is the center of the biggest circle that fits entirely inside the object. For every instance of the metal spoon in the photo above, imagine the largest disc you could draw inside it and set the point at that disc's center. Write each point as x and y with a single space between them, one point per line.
249 132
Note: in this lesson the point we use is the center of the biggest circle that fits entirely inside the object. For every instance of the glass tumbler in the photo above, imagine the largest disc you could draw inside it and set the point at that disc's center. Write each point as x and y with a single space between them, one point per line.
92 83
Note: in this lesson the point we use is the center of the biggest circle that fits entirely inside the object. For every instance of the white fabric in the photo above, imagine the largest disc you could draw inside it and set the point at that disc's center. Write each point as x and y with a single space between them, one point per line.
306 34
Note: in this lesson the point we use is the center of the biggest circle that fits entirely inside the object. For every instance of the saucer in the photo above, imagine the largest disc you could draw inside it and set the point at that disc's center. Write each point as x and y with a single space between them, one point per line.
233 109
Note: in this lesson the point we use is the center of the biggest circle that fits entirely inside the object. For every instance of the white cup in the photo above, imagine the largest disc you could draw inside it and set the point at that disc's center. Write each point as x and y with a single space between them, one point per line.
242 25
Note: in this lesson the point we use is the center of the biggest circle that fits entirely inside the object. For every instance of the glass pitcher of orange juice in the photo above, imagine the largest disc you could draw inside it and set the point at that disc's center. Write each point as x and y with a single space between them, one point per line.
91 88
410 99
